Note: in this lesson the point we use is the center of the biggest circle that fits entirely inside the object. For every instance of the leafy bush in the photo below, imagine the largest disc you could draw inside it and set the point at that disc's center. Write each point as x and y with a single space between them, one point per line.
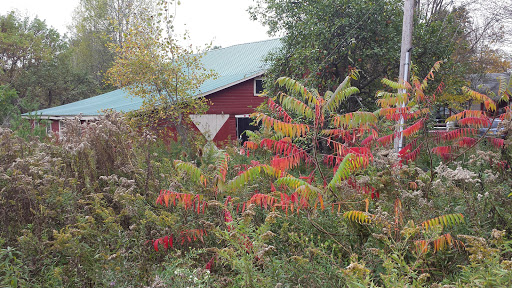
78 205
108 205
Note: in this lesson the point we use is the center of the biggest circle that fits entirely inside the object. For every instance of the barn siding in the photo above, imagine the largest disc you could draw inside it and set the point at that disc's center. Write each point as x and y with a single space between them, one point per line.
55 126
235 100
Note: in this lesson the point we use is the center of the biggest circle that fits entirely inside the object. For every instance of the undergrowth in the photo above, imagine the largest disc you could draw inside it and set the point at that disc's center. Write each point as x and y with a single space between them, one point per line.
108 205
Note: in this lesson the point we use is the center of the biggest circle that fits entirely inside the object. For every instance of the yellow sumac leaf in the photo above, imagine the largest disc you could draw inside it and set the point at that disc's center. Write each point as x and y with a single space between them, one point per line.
357 216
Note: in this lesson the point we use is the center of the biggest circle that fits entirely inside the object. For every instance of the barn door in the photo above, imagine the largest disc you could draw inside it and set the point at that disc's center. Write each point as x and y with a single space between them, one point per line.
243 123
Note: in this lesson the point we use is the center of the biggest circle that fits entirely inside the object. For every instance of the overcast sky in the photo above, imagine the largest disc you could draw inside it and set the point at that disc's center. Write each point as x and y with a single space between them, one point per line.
221 22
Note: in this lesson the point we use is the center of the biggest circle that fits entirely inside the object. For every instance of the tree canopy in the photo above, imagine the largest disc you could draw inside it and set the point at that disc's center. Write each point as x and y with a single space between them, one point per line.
152 65
36 62
96 24
324 39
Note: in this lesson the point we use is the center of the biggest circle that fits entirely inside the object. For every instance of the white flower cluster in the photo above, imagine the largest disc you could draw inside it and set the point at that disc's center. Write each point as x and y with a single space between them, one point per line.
459 174
480 196
386 158
483 157
413 195
490 175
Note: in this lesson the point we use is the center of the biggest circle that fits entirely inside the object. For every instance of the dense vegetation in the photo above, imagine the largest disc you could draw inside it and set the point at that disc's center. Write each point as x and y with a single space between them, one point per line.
323 39
107 205
316 198
41 68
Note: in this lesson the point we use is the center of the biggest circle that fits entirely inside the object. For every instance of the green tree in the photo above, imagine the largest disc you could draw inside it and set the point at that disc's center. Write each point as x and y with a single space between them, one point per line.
57 81
151 64
36 62
98 23
8 107
25 44
324 39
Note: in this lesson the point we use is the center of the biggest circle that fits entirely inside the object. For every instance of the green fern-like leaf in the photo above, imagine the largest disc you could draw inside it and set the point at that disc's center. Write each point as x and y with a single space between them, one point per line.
300 186
296 105
339 96
251 174
297 87
349 165
443 221
395 85
191 170
388 99
344 85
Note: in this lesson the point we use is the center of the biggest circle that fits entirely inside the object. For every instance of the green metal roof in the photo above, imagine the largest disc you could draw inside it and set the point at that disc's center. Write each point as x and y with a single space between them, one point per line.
232 64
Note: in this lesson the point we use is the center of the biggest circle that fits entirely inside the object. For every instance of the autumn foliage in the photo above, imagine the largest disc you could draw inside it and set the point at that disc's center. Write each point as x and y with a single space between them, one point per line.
318 197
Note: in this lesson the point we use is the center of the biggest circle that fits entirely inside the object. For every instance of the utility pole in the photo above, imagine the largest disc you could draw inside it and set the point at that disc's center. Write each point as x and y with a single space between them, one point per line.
405 59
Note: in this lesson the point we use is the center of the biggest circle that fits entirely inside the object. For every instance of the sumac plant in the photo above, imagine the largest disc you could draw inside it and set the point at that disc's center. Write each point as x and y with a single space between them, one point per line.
206 191
425 237
307 128
218 190
415 107
305 131
209 189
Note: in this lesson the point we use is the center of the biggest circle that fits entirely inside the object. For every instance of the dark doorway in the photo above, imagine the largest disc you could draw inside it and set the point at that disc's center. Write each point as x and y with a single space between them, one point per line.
243 124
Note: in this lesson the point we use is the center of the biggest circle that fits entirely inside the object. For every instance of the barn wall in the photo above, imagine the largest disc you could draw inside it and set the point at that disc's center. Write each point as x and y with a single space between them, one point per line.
55 126
235 100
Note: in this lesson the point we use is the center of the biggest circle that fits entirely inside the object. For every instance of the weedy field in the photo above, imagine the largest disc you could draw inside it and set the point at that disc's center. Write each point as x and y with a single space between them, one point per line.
316 198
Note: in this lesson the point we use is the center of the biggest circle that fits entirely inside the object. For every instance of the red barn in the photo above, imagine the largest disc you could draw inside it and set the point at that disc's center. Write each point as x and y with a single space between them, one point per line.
234 103
233 94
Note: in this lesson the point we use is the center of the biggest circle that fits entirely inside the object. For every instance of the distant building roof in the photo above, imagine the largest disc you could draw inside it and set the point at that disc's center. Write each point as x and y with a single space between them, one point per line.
489 82
232 64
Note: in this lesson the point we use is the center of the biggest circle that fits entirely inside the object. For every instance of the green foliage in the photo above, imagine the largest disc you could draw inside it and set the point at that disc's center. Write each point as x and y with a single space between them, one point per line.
37 63
346 168
84 210
324 39
251 174
8 96
10 110
77 207
489 266
151 64
13 272
192 171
